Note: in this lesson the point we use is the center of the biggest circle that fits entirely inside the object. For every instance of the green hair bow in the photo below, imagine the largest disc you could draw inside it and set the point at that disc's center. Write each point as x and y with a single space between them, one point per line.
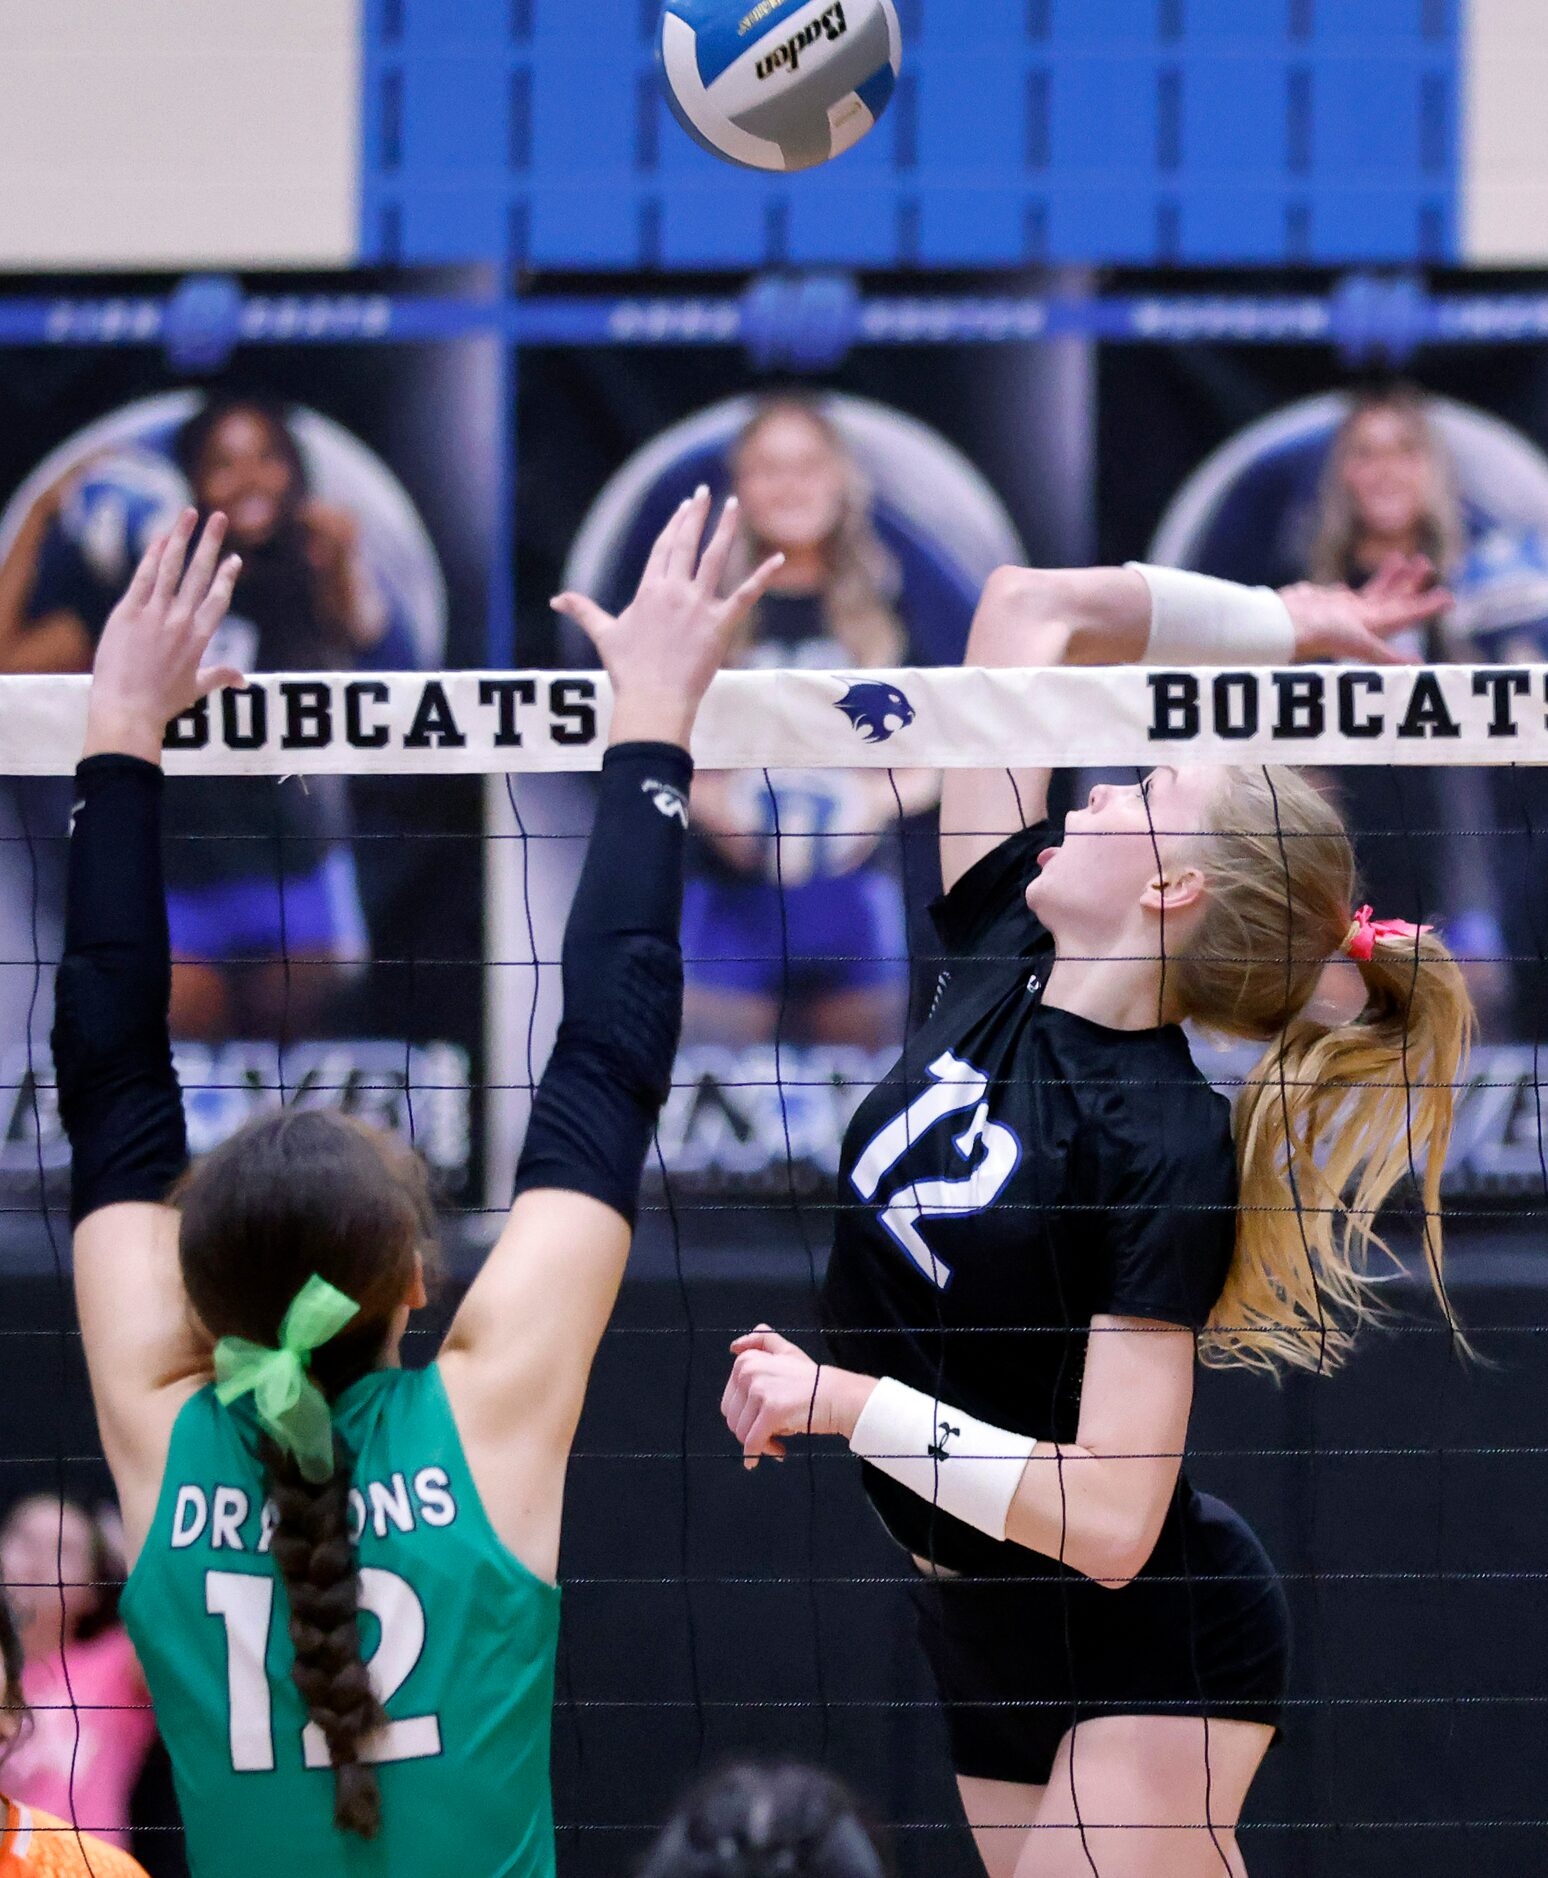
291 1407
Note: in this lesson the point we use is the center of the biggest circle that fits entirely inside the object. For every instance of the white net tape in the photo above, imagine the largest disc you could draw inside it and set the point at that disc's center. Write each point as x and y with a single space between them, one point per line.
477 723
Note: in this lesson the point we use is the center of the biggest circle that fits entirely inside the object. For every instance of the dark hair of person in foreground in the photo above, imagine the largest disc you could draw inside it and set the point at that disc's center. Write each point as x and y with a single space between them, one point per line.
780 1820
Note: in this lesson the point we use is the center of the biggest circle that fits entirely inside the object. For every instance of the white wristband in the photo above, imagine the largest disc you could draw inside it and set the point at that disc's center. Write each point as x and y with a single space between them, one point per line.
963 1466
1198 620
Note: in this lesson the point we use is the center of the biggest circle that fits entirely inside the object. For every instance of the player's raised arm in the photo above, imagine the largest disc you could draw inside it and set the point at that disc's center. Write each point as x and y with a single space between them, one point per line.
1158 616
520 1351
118 1093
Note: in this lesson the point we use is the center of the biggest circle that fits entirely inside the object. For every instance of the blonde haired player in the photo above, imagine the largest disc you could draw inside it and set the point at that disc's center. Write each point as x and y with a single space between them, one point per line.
1050 1215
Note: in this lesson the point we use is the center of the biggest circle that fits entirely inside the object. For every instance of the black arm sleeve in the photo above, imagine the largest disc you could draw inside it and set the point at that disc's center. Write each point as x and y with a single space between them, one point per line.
118 1093
611 1069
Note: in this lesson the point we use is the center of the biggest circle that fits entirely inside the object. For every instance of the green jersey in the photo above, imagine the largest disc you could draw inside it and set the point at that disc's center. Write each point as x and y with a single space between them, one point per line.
460 1638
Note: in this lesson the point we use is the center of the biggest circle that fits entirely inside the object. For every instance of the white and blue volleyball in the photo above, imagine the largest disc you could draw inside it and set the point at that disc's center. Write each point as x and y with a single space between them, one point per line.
779 84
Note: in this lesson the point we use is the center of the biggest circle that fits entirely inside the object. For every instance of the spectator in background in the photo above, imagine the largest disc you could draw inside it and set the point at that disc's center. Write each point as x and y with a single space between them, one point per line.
1389 487
783 1821
92 1727
804 933
261 890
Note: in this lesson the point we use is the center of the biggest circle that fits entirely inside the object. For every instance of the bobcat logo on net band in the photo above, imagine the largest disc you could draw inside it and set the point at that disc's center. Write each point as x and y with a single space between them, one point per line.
876 710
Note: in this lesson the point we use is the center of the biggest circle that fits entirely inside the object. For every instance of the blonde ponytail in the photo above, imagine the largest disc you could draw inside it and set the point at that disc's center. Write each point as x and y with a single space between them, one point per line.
1333 1116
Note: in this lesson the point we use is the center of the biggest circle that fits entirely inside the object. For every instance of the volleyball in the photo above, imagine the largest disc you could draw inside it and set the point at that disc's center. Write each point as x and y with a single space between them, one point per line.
779 84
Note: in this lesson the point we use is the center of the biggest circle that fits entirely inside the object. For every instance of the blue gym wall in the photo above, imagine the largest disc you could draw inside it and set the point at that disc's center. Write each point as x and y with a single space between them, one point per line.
1108 131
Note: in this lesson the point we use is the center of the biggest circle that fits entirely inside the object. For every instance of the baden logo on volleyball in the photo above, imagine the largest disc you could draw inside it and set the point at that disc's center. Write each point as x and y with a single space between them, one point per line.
783 85
832 23
877 711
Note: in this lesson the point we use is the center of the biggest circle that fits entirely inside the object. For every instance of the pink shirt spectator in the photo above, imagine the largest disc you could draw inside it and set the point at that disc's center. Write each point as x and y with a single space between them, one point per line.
116 1732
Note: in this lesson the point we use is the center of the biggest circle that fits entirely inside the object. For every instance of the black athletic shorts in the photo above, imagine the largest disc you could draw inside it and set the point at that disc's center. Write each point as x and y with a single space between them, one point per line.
1203 1630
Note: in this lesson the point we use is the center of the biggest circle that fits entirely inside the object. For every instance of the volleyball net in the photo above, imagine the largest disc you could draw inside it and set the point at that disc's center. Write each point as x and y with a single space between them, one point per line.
710 1612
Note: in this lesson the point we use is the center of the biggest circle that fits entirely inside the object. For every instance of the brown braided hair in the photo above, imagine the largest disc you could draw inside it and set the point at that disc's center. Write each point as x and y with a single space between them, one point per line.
300 1192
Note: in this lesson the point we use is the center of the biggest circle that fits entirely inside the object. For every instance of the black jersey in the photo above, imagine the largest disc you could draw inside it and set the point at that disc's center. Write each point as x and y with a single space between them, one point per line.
1020 1171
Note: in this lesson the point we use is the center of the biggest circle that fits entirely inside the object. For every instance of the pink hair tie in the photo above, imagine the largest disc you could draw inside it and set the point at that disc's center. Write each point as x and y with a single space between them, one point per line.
1360 940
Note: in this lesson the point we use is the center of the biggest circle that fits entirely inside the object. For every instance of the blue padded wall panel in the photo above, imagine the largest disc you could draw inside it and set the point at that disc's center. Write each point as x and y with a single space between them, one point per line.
584 123
971 116
571 226
609 27
970 25
711 224
454 114
532 131
1233 121
431 26
1102 109
1368 223
969 225
452 216
839 224
1367 121
1219 226
1118 26
1212 25
1116 222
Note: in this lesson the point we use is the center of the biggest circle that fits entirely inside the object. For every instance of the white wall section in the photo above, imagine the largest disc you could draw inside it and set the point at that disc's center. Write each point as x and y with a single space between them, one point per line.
179 133
1505 133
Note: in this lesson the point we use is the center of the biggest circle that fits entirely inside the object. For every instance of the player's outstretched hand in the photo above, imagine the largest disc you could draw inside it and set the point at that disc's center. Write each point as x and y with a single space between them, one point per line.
776 1389
149 660
1336 623
664 648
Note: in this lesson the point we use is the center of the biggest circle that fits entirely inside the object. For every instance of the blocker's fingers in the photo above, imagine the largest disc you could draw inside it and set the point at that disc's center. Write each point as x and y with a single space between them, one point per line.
144 582
593 620
1398 611
754 587
762 1434
763 1339
684 548
202 563
746 1419
220 678
212 608
732 1398
655 566
712 563
1374 651
172 554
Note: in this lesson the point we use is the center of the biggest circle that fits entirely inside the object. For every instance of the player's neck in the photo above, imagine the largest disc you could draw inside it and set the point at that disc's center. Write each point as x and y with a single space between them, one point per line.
1373 547
1115 989
805 571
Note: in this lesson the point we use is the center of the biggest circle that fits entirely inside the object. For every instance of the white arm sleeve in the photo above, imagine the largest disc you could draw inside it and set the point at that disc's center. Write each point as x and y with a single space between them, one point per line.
961 1465
1198 620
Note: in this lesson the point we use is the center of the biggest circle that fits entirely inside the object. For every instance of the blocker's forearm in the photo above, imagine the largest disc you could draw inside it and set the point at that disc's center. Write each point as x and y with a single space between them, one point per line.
118 1092
1126 615
1099 1515
611 1068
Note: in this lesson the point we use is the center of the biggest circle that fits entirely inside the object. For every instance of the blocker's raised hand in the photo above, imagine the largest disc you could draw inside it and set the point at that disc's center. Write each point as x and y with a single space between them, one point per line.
1337 623
149 666
664 648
